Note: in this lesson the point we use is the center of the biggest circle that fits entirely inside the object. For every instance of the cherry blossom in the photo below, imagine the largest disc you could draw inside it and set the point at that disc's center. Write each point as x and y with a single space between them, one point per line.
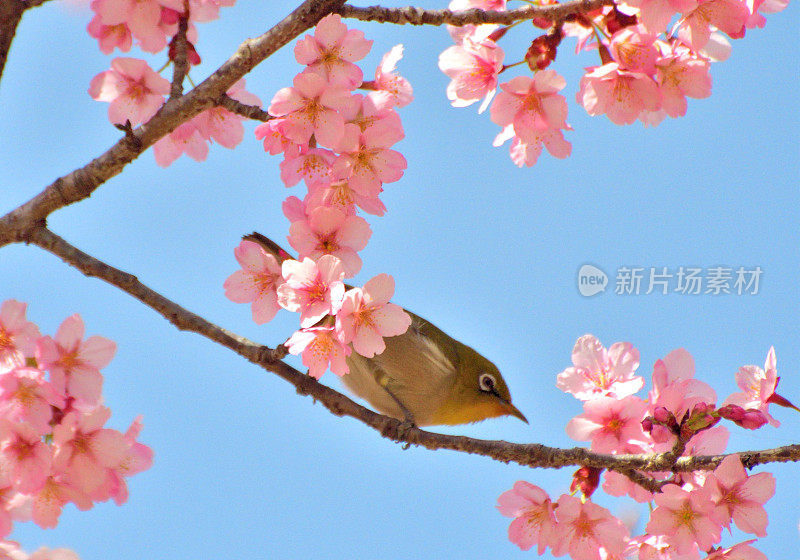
365 158
613 425
257 282
600 372
366 316
311 107
311 164
273 134
531 105
315 289
635 50
680 75
26 396
110 37
389 88
532 510
758 386
619 94
729 16
74 364
135 92
329 231
587 531
332 50
685 518
187 139
473 67
321 348
17 335
740 497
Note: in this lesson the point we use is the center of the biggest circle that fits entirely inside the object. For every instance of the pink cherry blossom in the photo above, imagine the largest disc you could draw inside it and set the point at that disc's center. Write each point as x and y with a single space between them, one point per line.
328 231
273 134
655 15
257 282
26 456
587 531
110 37
600 372
366 160
51 499
634 50
74 364
315 289
617 93
656 547
25 396
44 553
617 484
320 348
612 425
366 316
389 88
740 551
339 194
332 50
729 16
313 165
295 209
532 510
84 450
371 113
680 75
137 458
532 105
141 17
187 139
473 67
135 92
685 518
220 124
675 390
17 335
311 107
758 385
527 154
740 497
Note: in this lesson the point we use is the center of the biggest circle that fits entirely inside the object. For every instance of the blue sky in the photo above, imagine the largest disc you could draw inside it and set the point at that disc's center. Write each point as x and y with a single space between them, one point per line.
246 468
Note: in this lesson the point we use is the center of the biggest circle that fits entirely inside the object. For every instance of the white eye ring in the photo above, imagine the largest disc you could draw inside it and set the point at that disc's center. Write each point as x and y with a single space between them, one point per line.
486 382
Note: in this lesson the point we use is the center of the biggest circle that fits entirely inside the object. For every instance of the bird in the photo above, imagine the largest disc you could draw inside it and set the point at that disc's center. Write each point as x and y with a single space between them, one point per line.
424 377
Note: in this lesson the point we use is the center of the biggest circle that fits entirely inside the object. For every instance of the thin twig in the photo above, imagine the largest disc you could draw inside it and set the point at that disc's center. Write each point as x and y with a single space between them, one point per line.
180 62
75 186
531 454
418 16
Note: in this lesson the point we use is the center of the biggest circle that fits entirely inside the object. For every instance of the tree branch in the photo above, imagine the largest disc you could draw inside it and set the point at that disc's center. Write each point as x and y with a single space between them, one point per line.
248 111
530 454
418 16
18 224
10 15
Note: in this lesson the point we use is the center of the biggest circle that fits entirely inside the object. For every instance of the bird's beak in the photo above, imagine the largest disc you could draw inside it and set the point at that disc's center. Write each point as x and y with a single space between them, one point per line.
513 410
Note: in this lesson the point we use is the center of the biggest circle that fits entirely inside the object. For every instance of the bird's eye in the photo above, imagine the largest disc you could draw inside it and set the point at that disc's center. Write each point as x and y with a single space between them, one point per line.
486 382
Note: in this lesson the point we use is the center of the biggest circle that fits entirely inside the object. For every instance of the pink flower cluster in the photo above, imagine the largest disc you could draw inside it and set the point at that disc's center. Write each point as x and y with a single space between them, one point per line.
332 317
135 92
54 448
647 72
680 415
338 142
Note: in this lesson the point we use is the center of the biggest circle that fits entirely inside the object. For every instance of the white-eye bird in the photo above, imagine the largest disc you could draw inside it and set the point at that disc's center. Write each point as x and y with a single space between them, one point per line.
424 376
